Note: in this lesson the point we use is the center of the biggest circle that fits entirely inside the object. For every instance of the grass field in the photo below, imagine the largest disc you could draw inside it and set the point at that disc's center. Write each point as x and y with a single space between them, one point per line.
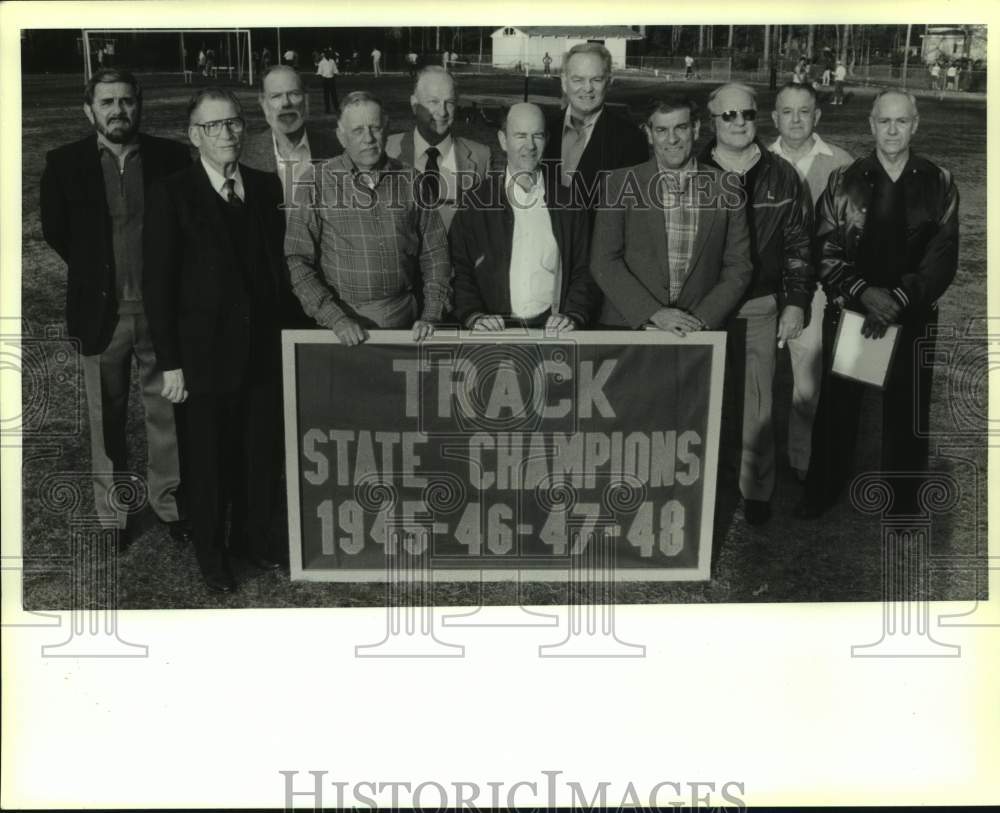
837 559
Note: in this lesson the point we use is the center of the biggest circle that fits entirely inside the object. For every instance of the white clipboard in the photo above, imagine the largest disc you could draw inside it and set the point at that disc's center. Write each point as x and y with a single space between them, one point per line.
859 358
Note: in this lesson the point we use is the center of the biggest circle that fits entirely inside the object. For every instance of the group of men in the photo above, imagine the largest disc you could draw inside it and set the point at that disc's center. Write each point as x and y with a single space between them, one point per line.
194 268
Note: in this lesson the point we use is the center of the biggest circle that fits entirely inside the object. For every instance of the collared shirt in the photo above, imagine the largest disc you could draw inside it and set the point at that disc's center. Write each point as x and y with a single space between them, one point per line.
534 254
803 164
219 182
680 218
574 141
301 154
367 248
327 68
447 167
125 195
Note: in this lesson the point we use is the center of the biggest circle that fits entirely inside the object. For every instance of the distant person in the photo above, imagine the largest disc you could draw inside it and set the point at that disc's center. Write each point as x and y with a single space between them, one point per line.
203 61
327 72
265 60
586 139
210 62
887 245
935 76
445 57
953 76
93 208
356 61
799 73
411 64
526 260
688 67
100 57
376 62
292 58
547 64
839 77
445 161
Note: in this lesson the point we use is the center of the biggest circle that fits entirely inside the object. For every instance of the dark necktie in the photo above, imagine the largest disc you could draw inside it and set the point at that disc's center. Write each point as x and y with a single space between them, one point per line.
231 197
431 178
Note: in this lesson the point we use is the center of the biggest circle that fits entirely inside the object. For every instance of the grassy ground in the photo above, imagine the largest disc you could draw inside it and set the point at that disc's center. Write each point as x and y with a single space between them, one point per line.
838 559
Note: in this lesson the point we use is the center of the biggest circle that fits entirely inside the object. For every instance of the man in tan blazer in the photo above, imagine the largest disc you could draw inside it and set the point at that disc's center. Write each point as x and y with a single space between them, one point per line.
671 249
449 165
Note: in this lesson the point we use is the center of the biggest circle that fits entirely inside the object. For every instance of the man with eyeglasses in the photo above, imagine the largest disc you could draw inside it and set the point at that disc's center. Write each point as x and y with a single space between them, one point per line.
773 310
887 247
587 140
449 165
93 207
370 257
213 253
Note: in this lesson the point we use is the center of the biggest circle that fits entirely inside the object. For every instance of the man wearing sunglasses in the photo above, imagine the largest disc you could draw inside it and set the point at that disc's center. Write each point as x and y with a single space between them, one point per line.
213 253
774 309
92 209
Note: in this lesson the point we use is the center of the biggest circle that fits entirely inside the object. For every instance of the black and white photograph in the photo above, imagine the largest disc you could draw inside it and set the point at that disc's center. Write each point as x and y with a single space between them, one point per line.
428 333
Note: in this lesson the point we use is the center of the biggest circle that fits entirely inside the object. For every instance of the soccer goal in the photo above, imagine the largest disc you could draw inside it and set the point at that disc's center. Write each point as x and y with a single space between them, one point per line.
209 53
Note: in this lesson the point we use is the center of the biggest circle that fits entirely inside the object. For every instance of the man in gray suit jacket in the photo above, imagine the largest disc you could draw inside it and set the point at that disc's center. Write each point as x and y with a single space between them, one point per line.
449 165
671 250
288 138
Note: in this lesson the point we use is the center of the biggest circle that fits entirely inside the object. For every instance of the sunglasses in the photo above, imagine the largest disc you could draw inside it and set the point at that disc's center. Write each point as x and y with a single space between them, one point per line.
730 115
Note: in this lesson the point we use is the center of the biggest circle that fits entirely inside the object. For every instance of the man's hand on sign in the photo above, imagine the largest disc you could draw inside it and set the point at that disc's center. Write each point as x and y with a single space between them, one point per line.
881 304
790 324
350 332
559 322
173 386
675 321
422 330
488 321
873 327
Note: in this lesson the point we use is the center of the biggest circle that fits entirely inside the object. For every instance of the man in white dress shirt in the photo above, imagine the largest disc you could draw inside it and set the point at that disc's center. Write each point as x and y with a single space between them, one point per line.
450 165
796 115
517 255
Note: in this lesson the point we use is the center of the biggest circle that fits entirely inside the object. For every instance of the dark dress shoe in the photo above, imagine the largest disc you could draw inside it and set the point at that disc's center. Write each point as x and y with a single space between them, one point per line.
180 532
756 512
219 582
260 562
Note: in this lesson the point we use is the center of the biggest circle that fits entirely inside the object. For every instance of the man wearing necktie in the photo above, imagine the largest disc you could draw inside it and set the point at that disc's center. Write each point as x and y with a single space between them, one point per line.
450 165
525 260
586 138
213 252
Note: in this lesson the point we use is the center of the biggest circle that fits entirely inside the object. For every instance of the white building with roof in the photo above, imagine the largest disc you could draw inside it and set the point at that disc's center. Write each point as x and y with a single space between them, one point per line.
527 45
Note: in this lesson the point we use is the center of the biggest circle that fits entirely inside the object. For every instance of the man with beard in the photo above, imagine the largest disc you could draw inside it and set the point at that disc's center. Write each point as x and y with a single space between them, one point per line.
92 209
214 266
587 139
290 143
449 165
294 149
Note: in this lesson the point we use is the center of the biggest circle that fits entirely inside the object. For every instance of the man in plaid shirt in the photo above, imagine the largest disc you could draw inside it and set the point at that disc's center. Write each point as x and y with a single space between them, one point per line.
368 256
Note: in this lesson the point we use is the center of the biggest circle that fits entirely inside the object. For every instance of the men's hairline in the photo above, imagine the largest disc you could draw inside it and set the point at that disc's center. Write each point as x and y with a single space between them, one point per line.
894 92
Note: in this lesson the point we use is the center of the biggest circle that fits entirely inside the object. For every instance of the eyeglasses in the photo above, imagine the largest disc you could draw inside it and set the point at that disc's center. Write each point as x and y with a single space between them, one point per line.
730 115
213 129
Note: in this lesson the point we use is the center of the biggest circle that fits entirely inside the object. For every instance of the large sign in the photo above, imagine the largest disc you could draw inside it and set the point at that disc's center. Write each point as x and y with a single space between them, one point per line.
497 456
